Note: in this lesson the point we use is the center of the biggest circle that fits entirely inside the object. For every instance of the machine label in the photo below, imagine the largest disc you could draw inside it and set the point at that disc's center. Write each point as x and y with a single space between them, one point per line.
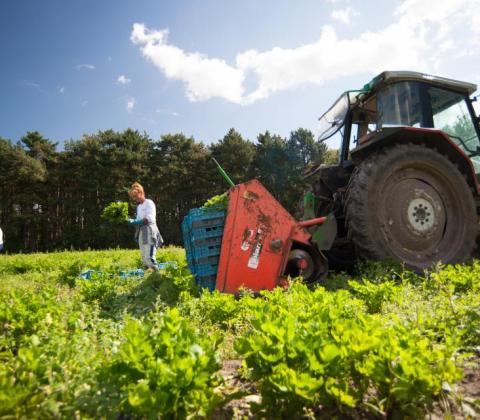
254 259
255 256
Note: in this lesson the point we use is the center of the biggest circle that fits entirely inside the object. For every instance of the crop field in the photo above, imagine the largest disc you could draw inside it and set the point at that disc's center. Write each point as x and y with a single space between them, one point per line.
384 343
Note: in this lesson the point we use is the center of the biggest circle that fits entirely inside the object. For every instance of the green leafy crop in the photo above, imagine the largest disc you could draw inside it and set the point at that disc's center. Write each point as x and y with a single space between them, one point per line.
317 348
116 212
385 343
217 203
164 368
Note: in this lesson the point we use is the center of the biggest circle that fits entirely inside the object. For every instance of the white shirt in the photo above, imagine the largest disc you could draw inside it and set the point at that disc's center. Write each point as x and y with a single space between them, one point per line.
147 210
1 237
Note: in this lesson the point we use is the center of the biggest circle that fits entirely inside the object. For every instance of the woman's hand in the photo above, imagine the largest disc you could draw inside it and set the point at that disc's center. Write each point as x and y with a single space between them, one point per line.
136 221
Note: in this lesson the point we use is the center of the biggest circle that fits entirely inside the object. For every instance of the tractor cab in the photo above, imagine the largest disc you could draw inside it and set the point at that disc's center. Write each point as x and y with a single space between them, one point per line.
405 99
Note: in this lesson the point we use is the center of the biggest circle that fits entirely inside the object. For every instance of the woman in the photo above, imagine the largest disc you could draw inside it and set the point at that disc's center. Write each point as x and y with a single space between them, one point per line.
146 233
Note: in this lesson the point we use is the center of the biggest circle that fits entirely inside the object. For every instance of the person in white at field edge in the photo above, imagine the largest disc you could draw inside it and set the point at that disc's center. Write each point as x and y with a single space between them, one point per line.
146 231
1 240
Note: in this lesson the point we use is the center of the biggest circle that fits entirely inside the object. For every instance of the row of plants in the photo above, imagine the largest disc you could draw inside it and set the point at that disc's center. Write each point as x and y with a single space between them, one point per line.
383 343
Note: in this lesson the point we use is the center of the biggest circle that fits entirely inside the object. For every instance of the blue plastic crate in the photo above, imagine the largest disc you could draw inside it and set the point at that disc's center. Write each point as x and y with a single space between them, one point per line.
188 250
190 258
199 218
214 221
185 227
206 242
206 232
206 269
166 264
191 265
212 259
206 250
205 214
202 233
206 282
205 247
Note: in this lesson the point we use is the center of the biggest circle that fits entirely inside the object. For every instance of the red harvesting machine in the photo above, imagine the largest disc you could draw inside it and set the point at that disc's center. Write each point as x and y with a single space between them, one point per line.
256 244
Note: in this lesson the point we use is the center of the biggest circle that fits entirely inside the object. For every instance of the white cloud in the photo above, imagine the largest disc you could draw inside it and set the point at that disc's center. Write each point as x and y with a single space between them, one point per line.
422 37
131 102
85 67
205 78
344 15
421 11
330 58
123 80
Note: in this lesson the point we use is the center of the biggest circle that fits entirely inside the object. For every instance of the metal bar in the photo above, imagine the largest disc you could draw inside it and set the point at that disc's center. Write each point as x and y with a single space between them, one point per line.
313 222
223 173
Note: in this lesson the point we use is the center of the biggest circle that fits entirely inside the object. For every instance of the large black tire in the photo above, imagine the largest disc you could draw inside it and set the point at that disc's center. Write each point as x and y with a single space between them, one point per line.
341 256
410 203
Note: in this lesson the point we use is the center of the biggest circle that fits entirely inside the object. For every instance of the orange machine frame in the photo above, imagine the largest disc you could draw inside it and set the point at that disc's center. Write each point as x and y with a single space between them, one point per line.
257 239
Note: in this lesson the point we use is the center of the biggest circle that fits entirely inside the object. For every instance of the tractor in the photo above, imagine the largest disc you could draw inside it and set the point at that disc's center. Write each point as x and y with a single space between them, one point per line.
406 186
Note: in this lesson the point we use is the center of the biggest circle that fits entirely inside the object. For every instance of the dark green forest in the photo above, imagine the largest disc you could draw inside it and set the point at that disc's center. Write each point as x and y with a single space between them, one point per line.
51 198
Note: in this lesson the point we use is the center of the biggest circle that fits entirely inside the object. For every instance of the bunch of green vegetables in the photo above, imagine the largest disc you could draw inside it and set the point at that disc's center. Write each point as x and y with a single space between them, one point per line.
217 203
116 212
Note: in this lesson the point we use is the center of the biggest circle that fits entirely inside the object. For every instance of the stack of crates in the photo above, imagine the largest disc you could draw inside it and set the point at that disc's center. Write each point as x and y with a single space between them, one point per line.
202 231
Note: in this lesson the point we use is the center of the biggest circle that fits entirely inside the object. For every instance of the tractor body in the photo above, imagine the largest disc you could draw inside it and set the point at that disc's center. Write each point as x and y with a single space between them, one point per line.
406 185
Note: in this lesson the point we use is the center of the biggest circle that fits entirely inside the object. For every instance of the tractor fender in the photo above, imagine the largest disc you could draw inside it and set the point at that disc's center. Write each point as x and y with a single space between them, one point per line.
432 138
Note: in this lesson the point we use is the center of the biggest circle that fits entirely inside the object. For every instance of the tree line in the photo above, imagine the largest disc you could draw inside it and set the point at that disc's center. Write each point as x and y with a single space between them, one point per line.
52 199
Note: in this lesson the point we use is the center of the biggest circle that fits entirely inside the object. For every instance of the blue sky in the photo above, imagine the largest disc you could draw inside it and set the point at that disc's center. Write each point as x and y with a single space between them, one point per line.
202 66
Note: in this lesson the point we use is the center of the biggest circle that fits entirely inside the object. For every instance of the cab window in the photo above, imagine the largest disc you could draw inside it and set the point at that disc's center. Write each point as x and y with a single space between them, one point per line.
450 114
399 105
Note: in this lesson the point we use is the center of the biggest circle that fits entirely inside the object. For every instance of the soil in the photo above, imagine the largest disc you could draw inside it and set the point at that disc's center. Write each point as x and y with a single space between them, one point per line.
239 408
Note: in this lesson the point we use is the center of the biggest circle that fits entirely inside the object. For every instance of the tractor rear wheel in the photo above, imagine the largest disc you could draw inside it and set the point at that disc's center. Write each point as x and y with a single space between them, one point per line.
410 203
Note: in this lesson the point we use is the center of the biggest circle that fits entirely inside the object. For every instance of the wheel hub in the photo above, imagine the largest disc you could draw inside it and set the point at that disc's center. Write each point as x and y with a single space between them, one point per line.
414 216
301 263
421 215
